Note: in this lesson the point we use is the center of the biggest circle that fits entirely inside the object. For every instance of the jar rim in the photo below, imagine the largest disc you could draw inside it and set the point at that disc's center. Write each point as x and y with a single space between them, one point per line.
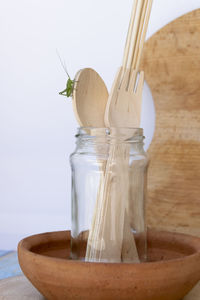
110 132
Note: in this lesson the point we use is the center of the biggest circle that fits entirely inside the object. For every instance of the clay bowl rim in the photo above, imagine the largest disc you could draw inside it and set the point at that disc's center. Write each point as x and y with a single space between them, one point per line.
193 245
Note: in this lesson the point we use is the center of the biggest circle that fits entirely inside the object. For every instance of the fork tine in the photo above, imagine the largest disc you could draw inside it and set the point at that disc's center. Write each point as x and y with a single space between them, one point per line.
132 82
140 83
125 80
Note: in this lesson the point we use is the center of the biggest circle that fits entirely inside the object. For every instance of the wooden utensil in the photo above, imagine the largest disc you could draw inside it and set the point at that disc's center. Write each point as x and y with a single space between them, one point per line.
106 234
110 233
120 112
89 98
123 108
171 63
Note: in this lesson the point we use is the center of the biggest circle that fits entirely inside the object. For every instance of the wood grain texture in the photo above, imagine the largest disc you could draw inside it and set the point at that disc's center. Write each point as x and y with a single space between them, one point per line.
89 98
171 62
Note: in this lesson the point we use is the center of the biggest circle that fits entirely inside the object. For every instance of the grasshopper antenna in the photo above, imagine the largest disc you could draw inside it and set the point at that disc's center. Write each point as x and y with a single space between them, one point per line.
62 63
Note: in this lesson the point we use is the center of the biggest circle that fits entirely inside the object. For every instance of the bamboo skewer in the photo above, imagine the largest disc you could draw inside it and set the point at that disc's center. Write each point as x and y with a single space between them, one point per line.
134 34
103 244
127 45
139 48
135 54
110 237
135 66
149 7
94 240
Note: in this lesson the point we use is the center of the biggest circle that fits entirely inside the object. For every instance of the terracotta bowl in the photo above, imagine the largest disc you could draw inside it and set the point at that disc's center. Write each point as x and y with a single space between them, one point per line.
173 269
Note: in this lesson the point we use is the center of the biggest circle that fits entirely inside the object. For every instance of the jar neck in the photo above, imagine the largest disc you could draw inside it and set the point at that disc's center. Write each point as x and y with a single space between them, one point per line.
91 136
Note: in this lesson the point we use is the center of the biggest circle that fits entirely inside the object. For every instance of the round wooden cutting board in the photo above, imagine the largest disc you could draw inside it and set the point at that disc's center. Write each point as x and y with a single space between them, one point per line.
171 62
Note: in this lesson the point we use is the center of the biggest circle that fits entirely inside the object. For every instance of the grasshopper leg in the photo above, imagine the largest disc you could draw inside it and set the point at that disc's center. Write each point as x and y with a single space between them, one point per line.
63 93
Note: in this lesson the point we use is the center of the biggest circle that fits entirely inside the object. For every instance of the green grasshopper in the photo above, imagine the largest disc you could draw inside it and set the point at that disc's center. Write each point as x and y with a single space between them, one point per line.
68 92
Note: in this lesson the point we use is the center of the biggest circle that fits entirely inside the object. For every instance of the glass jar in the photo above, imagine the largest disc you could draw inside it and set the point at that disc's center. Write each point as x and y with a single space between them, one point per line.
109 172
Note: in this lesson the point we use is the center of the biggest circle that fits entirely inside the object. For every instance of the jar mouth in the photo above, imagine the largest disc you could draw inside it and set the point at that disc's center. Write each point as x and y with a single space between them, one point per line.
124 133
138 131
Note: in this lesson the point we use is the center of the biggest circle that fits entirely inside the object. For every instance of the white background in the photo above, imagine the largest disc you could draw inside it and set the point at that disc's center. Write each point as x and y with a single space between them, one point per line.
37 125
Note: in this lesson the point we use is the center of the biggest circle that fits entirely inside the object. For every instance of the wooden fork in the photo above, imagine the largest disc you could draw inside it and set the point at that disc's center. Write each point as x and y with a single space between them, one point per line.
124 110
124 105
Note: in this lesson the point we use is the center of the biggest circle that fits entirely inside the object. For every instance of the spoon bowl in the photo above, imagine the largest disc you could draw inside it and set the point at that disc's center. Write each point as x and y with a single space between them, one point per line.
89 98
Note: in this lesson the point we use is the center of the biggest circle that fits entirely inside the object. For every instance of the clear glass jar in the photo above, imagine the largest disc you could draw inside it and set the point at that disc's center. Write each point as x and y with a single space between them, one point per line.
109 172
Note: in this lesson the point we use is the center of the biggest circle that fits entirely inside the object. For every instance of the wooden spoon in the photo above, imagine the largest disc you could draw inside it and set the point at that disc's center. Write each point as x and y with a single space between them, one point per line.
89 98
89 103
